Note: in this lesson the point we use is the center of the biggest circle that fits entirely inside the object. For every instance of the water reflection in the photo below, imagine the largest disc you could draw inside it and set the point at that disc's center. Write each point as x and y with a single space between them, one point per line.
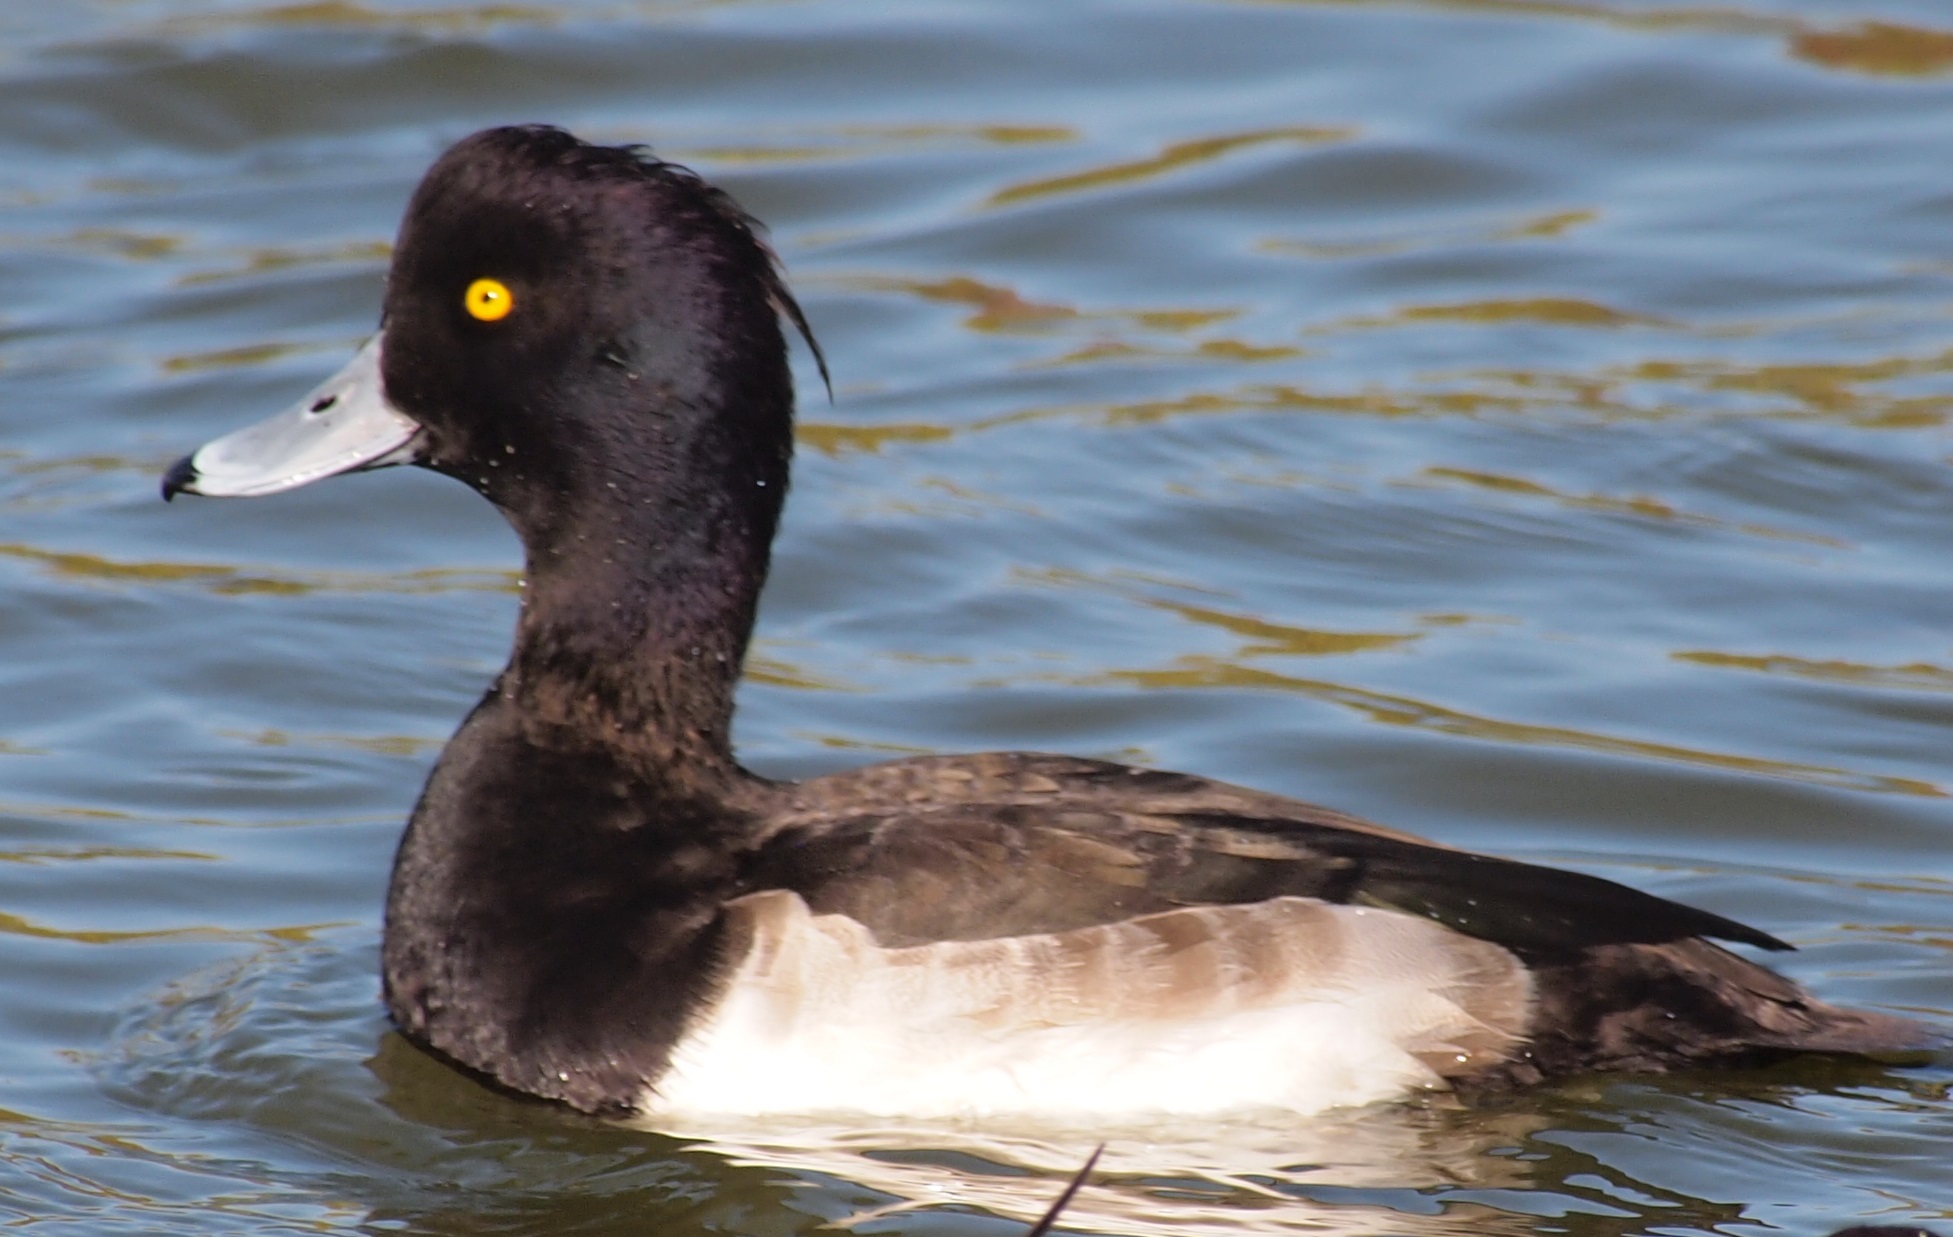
1388 709
406 747
1548 226
284 1046
853 142
226 580
1641 506
446 19
1877 47
1549 311
1416 1170
1263 637
1172 158
829 438
1647 390
1003 309
268 259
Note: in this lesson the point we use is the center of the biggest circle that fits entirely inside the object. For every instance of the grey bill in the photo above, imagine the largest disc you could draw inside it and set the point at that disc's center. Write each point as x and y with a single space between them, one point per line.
344 424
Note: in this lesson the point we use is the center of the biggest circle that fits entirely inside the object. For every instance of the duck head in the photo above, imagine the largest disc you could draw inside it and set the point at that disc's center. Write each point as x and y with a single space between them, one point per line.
569 329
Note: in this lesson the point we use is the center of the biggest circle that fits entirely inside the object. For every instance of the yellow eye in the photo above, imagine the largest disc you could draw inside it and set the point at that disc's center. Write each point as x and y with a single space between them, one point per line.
488 299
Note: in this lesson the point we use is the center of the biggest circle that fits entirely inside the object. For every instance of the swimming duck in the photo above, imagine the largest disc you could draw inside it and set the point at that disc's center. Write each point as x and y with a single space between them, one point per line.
595 903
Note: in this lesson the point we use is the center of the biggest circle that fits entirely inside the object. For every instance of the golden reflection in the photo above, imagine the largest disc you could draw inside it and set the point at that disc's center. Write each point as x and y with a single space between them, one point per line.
776 672
466 19
1107 350
380 745
867 141
15 925
1631 505
1235 350
1828 390
1174 319
1207 350
233 580
1000 135
848 743
970 496
1003 309
63 811
1915 676
1265 639
957 500
1557 223
230 358
1720 18
140 246
1546 310
780 153
276 258
1639 391
21 466
1250 399
1172 158
1504 393
1453 619
1194 672
27 810
831 439
1877 47
1537 227
997 308
39 856
1933 936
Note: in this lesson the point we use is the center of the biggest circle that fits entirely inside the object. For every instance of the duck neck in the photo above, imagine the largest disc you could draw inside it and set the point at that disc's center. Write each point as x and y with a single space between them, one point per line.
634 622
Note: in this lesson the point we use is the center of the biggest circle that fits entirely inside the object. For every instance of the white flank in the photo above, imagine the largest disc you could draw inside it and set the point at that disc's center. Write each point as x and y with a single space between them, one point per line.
1291 1004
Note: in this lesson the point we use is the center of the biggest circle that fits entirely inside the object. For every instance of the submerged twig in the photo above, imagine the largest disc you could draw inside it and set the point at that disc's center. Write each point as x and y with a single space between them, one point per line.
1050 1217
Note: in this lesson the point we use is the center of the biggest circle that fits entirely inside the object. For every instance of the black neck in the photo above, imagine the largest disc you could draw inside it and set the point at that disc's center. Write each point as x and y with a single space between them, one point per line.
633 628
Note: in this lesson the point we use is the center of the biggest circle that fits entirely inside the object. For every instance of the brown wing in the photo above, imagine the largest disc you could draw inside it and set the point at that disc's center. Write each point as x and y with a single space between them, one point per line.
1010 844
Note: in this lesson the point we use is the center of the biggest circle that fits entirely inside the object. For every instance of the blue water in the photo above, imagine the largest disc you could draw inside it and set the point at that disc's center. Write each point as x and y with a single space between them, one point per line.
1520 421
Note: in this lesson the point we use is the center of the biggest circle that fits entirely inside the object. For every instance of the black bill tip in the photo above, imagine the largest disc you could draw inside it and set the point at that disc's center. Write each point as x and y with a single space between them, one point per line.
181 476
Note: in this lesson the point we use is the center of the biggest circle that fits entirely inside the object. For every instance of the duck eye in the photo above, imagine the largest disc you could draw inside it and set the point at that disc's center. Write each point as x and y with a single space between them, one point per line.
488 299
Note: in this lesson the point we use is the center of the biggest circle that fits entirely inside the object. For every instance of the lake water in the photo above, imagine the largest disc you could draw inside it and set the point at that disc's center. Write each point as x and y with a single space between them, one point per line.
1524 422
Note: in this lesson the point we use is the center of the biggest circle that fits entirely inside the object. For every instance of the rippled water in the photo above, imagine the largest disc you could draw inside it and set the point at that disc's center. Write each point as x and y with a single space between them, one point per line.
1522 421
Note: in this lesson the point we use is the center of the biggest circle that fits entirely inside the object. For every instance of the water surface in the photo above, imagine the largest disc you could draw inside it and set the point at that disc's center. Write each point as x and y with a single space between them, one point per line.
1520 421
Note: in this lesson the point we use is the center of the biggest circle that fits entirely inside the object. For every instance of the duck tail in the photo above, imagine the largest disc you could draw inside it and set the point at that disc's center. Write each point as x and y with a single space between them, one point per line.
1688 1003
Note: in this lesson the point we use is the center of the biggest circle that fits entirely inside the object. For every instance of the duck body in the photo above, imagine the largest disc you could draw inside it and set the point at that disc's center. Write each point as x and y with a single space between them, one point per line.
1027 933
594 903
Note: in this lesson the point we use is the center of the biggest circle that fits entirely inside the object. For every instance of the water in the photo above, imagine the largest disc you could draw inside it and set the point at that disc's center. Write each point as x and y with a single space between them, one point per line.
1520 421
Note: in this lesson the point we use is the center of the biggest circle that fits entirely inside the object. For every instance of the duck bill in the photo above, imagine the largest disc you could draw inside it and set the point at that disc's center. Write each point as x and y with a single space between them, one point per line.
345 424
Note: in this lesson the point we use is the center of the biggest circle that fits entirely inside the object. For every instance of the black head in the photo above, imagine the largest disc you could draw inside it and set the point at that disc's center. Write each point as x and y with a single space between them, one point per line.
591 338
567 321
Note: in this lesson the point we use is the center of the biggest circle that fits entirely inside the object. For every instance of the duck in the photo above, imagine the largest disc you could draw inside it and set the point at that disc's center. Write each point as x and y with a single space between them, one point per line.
594 903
